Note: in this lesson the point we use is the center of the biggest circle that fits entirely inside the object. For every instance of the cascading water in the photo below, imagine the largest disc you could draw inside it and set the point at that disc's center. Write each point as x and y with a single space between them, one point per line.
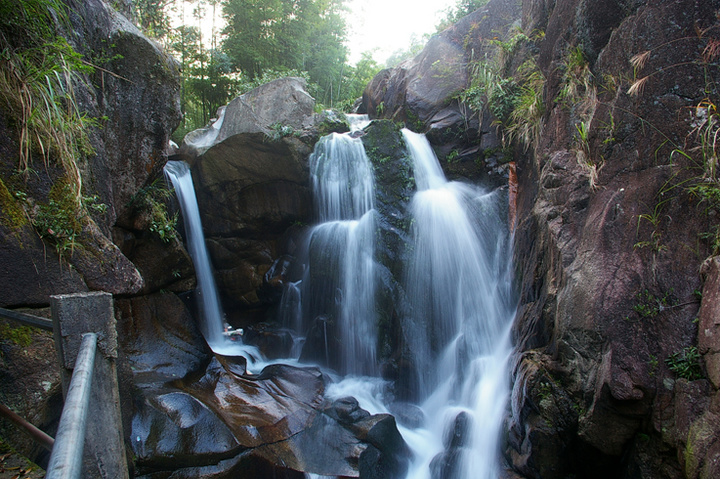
339 282
212 322
459 284
179 175
458 288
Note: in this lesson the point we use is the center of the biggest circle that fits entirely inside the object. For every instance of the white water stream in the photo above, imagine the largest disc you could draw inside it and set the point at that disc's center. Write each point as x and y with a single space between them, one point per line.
458 285
212 319
459 282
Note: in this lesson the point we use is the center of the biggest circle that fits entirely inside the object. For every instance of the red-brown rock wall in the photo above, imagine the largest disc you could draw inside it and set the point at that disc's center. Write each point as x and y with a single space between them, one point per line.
609 249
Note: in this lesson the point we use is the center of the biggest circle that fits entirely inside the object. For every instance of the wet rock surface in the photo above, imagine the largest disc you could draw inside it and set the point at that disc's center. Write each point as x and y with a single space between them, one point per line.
196 414
251 190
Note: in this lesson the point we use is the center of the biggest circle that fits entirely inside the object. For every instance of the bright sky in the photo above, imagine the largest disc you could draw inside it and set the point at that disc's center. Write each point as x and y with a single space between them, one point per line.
385 26
380 26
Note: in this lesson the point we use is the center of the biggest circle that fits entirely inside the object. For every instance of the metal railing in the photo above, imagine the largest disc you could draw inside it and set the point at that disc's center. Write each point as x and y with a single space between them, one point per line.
66 457
27 319
86 341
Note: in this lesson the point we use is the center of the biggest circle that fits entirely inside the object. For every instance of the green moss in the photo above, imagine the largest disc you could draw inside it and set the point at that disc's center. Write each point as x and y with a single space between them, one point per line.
333 121
413 121
700 435
12 213
19 335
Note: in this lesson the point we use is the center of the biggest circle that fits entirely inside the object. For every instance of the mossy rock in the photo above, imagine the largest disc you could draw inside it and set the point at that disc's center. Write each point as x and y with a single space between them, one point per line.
394 189
11 213
332 121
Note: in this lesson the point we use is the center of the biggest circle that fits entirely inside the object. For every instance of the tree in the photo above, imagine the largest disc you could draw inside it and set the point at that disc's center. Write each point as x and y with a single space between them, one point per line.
152 16
356 79
305 35
459 10
400 55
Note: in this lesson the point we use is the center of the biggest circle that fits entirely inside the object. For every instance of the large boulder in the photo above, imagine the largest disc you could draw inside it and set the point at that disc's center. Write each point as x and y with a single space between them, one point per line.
250 191
252 184
136 76
128 146
282 106
394 189
424 93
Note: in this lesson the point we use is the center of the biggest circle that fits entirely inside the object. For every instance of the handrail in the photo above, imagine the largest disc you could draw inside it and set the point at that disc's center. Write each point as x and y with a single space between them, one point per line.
27 319
66 458
39 436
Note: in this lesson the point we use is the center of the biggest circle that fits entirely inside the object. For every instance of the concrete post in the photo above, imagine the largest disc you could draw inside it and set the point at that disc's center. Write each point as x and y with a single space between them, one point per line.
73 315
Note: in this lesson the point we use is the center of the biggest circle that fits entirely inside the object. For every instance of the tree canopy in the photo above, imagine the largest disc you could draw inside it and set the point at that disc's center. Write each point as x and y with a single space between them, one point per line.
304 35
252 42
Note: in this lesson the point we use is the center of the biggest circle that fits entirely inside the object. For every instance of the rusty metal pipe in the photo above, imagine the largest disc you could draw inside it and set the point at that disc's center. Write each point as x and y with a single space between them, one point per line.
36 434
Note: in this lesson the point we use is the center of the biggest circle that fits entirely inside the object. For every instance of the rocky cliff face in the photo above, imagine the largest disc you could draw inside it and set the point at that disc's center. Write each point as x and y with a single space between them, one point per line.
131 75
424 94
609 246
49 242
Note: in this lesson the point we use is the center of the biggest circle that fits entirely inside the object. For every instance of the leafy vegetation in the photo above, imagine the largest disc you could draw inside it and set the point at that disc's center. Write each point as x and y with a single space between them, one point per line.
60 219
649 306
152 200
686 363
38 69
39 72
513 97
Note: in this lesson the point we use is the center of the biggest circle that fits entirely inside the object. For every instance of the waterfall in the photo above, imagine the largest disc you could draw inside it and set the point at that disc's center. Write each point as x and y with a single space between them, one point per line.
342 178
339 282
459 285
457 281
212 320
179 175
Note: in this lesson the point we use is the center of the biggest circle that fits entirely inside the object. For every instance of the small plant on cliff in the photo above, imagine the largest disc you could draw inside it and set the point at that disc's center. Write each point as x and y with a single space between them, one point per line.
686 363
710 53
652 364
514 96
705 186
649 305
60 219
278 131
577 79
152 199
525 122
668 192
